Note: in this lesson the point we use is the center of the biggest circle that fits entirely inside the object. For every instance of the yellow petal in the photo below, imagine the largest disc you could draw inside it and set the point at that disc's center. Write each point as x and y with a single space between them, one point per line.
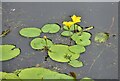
76 19
68 24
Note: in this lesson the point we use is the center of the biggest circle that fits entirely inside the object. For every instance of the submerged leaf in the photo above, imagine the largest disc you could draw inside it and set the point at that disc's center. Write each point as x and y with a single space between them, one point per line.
50 28
8 52
40 43
66 33
61 53
42 73
30 32
75 63
101 37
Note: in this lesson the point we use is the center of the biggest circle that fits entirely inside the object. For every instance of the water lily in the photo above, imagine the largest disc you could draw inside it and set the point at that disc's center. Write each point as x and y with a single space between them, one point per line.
76 19
68 24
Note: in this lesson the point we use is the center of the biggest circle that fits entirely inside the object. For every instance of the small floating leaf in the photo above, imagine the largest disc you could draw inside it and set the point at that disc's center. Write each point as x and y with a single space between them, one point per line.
77 49
40 43
101 37
50 28
73 27
75 63
65 55
86 79
30 32
66 33
42 73
8 52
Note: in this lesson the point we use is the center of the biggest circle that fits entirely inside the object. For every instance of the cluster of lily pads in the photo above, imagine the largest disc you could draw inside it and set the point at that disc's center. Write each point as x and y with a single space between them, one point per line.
60 52
57 52
39 74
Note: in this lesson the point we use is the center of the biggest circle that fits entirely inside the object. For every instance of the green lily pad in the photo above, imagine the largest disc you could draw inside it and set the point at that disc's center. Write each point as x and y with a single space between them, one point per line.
77 27
101 37
66 33
77 49
86 79
41 73
50 28
40 43
83 42
65 55
30 32
8 52
4 75
75 63
82 38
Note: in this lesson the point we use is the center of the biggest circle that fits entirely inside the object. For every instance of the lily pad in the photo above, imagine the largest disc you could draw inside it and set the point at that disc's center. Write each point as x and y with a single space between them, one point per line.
83 42
82 38
40 43
77 49
8 52
86 79
75 63
30 32
65 55
42 73
101 37
4 75
66 33
50 28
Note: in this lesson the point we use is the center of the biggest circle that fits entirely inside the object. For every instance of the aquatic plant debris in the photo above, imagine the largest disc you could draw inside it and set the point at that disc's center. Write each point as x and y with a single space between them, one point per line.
101 37
8 52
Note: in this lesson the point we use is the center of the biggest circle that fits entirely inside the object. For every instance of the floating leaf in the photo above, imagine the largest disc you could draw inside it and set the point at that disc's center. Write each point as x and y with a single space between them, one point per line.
4 75
65 55
83 42
75 63
82 38
101 37
8 52
85 35
30 32
86 79
77 49
40 43
50 28
66 33
76 27
42 73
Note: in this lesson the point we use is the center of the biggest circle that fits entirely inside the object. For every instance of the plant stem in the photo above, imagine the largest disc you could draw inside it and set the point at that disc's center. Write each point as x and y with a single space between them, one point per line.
69 37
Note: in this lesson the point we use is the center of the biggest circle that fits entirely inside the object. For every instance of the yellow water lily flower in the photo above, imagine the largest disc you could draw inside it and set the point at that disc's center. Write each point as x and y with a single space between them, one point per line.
68 24
76 19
